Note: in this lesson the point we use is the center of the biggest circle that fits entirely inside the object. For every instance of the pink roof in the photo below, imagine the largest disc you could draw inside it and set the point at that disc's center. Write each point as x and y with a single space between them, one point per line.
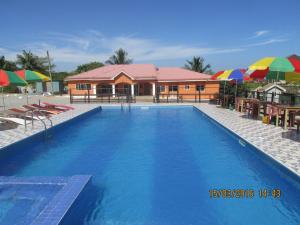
135 71
179 74
140 72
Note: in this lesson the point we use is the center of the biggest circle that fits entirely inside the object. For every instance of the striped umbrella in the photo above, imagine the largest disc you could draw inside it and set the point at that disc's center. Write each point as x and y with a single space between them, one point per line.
32 76
237 75
276 68
8 78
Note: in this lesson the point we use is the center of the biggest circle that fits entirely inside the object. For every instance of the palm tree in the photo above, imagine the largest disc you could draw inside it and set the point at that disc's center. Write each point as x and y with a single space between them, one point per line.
197 65
120 57
27 60
6 64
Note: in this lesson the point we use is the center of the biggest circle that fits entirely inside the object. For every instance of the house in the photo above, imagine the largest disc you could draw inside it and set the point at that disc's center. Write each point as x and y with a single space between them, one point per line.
272 91
143 80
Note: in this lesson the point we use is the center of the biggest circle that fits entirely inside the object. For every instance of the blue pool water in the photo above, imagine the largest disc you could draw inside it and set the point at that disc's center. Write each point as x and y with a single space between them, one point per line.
156 166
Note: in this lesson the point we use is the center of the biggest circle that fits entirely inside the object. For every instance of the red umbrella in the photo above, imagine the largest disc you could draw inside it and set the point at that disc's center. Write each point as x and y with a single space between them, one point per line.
296 63
259 74
214 77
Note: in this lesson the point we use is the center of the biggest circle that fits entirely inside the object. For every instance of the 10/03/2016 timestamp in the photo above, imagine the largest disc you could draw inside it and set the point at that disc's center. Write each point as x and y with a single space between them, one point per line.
244 193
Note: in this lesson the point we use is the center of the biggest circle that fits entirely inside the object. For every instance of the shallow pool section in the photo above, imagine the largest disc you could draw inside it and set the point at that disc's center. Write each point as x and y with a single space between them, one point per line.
38 200
159 166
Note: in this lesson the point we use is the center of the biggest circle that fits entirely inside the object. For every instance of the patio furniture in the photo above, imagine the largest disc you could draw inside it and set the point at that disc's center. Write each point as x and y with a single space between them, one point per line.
46 111
286 110
297 119
37 115
58 105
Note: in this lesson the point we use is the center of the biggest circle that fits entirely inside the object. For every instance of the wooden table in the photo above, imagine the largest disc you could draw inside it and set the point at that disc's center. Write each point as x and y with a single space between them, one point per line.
285 109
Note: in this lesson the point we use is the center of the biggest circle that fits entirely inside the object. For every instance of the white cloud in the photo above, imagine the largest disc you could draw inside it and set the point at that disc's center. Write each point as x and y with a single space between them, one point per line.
260 33
93 46
267 42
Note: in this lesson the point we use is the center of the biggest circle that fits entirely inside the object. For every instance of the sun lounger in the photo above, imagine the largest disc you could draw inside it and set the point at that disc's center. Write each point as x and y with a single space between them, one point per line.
58 105
28 113
49 108
16 120
47 111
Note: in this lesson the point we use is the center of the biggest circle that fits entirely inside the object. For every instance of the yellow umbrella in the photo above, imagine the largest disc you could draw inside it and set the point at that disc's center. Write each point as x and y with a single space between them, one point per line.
262 64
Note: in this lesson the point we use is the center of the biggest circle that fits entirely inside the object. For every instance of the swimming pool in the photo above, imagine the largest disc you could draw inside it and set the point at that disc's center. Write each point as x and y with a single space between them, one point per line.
160 166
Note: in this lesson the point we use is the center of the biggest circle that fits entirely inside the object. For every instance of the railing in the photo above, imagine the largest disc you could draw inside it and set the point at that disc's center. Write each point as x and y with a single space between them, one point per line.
181 98
102 98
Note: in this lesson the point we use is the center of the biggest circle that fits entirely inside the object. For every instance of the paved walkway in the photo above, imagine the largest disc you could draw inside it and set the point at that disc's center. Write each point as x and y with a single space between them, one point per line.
281 145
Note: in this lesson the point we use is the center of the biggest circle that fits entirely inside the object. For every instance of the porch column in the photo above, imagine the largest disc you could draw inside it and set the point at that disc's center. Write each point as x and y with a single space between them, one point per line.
113 86
132 89
153 89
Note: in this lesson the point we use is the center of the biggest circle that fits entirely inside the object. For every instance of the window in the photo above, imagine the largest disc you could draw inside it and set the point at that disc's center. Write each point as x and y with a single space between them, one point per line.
200 87
162 88
173 88
83 86
186 87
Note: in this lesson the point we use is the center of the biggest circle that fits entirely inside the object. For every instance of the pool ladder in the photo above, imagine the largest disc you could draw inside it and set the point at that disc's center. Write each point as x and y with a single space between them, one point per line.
44 123
128 106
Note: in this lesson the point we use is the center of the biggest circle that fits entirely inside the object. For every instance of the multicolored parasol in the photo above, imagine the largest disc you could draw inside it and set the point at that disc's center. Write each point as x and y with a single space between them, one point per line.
10 78
276 68
32 76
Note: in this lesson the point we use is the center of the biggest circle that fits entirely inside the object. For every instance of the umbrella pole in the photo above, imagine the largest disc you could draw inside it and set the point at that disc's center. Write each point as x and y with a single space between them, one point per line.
3 102
236 88
224 93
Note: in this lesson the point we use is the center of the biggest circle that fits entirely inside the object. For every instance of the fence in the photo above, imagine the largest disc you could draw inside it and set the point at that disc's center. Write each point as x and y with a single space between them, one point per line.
186 95
103 97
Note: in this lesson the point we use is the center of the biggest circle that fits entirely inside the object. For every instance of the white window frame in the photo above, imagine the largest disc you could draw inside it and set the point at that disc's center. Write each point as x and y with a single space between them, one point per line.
186 87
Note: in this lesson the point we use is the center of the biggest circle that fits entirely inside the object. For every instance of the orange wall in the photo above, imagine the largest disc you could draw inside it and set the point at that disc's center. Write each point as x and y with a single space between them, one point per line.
211 89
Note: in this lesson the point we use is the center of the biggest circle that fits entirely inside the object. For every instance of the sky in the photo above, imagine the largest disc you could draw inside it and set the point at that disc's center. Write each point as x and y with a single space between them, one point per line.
229 34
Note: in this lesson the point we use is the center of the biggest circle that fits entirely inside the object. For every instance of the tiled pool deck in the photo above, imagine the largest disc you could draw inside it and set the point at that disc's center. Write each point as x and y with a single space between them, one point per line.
282 145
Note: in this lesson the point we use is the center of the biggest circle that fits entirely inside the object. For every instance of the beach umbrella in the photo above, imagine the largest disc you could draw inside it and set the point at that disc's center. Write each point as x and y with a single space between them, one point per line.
237 75
276 67
8 78
271 74
214 77
32 76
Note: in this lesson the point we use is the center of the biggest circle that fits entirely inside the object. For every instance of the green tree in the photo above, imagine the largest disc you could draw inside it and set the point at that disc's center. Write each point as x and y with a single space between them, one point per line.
27 60
60 75
88 66
7 65
120 57
197 65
